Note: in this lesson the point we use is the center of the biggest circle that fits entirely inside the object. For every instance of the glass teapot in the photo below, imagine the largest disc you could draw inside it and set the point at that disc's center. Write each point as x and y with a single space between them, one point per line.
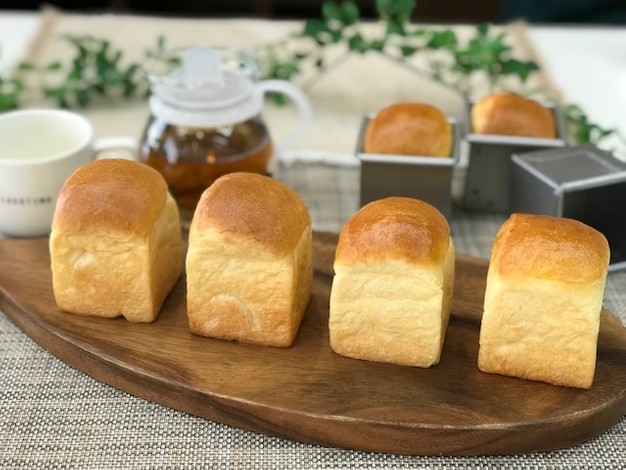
206 119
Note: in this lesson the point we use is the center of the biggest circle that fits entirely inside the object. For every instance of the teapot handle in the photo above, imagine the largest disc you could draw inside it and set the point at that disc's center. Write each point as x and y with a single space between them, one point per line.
301 101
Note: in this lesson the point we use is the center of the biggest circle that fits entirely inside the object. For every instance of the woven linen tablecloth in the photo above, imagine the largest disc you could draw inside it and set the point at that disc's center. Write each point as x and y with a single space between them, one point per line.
52 416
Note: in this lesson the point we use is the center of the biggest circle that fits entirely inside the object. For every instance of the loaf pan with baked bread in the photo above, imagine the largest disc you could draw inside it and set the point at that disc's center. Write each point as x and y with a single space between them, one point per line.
421 177
582 183
487 185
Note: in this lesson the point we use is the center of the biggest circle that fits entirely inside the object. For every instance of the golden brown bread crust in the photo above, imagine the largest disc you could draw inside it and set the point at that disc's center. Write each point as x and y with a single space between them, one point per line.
391 295
409 129
116 246
249 261
397 228
111 194
543 300
255 208
510 114
546 247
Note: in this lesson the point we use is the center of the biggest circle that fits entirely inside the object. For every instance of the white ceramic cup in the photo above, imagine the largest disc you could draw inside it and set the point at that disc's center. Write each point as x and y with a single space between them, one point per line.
39 150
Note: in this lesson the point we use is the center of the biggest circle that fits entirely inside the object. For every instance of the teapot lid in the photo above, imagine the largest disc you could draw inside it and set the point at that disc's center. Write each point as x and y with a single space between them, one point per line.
199 88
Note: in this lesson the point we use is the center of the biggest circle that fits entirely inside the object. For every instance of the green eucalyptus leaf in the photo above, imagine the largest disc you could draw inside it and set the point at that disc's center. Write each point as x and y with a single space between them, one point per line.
395 27
603 133
57 93
129 89
482 53
278 98
75 74
25 67
83 97
407 51
356 43
402 7
132 69
349 13
336 36
497 44
383 6
8 101
442 39
331 11
583 134
173 61
54 67
377 45
482 29
103 47
516 67
395 8
116 58
9 93
287 70
111 78
313 27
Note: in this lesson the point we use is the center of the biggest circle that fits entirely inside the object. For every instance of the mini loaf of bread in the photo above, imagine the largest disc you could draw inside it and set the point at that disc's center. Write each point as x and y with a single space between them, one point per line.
510 114
409 129
249 261
543 300
392 291
116 247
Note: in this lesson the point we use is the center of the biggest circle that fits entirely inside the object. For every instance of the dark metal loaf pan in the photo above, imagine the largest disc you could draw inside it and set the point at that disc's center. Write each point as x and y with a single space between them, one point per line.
421 177
488 179
582 183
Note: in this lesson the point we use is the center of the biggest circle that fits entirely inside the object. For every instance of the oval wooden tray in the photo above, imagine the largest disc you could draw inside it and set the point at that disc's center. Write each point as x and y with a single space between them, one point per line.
310 394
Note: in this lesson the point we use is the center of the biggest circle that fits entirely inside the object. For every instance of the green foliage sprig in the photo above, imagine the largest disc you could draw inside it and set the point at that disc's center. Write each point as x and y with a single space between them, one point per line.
585 131
11 87
448 60
10 90
96 70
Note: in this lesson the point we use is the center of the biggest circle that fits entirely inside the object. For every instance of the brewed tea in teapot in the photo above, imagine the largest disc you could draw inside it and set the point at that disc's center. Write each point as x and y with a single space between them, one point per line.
206 120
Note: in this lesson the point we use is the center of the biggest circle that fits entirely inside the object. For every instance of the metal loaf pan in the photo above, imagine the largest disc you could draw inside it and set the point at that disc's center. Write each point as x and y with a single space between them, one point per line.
421 177
488 179
582 183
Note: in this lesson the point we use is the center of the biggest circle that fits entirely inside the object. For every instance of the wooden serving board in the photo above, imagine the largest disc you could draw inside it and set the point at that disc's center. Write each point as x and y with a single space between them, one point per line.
310 394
